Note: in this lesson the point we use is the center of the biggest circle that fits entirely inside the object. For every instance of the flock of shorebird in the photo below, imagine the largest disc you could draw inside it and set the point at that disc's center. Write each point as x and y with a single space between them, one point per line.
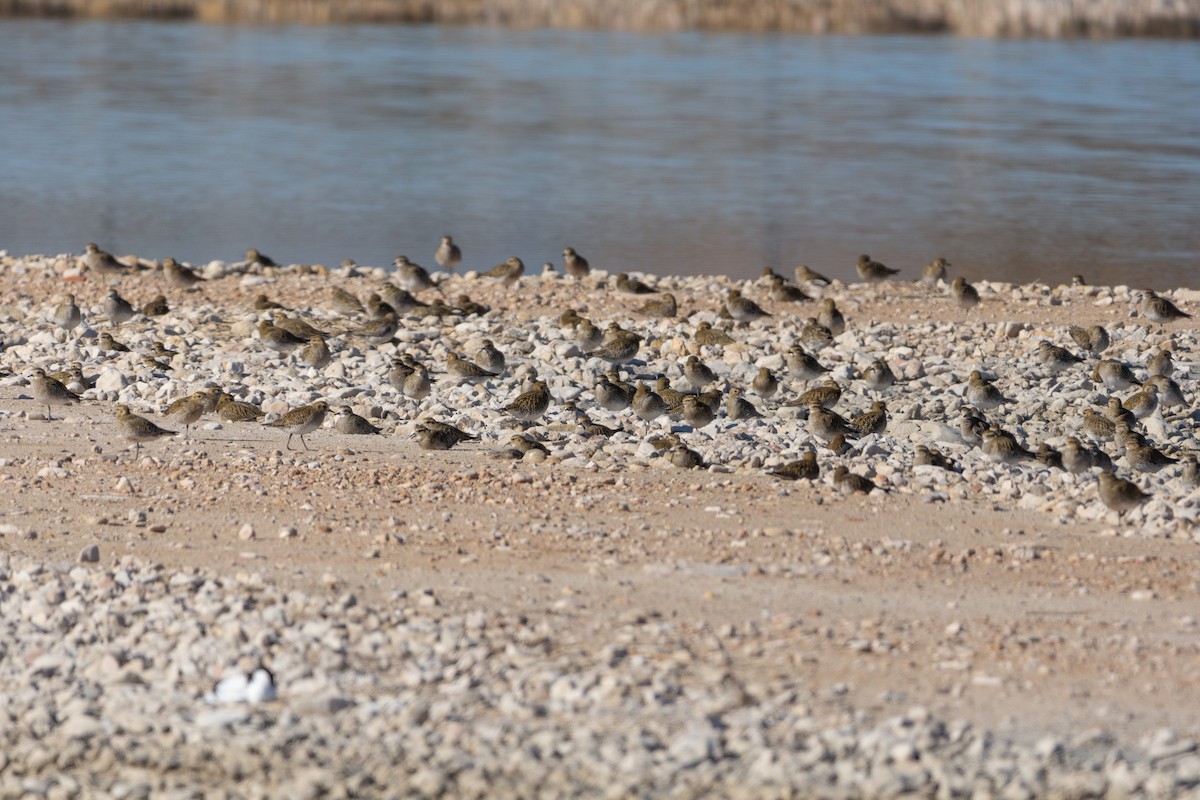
378 319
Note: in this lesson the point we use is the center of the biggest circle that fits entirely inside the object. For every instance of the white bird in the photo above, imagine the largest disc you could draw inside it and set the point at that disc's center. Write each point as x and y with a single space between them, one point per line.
240 687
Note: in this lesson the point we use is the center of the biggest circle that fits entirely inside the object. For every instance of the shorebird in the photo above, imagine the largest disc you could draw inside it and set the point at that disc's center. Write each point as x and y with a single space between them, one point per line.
851 483
878 375
873 421
574 264
814 335
765 384
935 271
402 301
448 255
1144 403
345 303
612 396
490 358
696 413
156 307
376 307
301 421
412 277
780 291
1115 375
630 285
1097 426
803 468
738 407
1119 494
620 347
803 366
825 424
1161 364
1159 309
138 429
97 260
117 308
380 330
1170 395
932 457
830 317
469 307
684 457
187 411
1049 456
1075 457
965 295
278 339
982 394
1190 472
971 426
232 410
434 435
743 309
1055 358
532 403
662 306
262 259
1002 447
871 271
588 336
647 404
672 397
806 275
111 345
352 424
697 373
179 275
508 272
826 395
66 314
264 303
464 371
706 334
1093 339
48 391
1146 458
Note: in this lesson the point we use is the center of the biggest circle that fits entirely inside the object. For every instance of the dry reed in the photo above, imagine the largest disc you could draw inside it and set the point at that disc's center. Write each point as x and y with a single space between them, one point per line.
984 18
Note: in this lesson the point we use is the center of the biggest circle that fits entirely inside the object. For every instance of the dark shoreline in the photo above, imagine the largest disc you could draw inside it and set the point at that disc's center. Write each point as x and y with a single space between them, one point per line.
975 18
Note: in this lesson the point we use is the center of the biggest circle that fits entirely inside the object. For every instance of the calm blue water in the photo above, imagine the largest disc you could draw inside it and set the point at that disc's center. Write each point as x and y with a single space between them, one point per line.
668 153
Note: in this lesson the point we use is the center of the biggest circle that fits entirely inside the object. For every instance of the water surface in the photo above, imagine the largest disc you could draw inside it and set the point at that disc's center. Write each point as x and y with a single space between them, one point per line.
670 153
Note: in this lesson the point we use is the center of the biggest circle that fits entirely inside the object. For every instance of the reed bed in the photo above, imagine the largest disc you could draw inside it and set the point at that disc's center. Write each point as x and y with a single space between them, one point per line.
982 18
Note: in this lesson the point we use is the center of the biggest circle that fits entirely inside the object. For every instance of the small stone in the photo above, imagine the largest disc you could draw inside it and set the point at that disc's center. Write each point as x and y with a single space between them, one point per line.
90 554
288 532
246 532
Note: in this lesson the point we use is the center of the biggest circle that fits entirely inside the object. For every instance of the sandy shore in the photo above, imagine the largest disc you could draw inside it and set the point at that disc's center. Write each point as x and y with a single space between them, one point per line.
1038 18
975 607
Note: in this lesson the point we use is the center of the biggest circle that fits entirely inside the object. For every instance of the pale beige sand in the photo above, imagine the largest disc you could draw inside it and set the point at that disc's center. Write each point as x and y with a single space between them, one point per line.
1000 616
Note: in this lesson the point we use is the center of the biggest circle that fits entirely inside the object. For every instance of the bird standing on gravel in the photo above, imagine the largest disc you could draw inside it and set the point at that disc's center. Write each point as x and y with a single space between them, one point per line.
743 309
965 295
1160 309
870 271
48 391
448 255
300 421
412 277
574 264
138 429
1119 494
